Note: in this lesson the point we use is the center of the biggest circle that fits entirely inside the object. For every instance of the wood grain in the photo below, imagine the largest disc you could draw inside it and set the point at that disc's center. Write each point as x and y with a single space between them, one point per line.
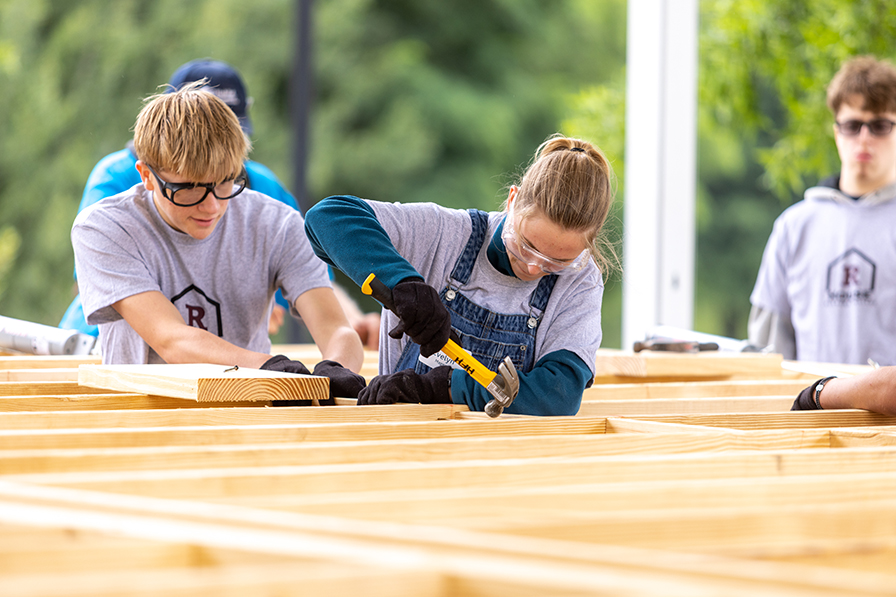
205 382
683 365
688 484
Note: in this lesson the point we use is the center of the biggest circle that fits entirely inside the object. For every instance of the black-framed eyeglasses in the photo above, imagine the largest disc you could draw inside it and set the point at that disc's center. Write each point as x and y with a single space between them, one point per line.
878 127
188 194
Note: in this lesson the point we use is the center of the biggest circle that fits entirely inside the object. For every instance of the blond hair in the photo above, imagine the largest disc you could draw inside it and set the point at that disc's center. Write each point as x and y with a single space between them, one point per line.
570 182
873 80
192 133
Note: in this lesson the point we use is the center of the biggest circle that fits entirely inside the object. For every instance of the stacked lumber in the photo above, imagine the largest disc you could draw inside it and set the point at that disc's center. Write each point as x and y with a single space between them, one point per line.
689 480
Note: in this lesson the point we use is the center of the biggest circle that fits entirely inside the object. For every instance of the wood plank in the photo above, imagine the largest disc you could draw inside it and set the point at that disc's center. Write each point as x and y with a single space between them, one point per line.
47 362
39 375
299 432
427 450
514 506
238 580
648 364
204 382
695 389
660 406
623 425
784 420
225 483
548 565
168 413
32 553
104 402
487 563
817 370
46 388
469 507
713 529
849 438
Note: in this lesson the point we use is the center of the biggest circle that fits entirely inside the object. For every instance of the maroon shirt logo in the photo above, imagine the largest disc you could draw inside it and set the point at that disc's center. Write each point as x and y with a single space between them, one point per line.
199 311
851 276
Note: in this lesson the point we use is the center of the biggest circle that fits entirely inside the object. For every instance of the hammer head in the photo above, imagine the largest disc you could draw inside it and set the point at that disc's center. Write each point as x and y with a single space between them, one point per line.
503 388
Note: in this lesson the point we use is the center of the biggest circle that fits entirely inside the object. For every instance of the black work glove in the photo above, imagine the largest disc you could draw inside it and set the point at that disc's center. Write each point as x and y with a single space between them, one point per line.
806 398
344 383
285 365
423 316
407 386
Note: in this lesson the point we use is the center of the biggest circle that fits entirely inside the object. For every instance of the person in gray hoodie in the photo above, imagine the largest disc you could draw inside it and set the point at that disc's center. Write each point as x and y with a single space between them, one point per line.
826 289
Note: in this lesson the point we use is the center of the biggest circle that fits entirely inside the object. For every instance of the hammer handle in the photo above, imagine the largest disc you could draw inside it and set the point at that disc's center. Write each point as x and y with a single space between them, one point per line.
375 288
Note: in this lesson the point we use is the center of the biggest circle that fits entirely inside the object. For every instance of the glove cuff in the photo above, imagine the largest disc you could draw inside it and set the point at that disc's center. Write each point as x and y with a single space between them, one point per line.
326 365
410 279
285 365
272 362
439 382
808 398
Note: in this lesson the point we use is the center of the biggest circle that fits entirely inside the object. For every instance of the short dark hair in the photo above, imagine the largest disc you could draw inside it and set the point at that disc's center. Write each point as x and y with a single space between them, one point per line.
867 77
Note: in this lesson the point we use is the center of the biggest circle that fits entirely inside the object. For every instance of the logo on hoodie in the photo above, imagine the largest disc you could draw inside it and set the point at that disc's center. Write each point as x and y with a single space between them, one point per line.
851 277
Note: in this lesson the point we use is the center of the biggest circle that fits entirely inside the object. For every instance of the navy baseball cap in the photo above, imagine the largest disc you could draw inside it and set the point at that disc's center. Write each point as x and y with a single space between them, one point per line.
223 81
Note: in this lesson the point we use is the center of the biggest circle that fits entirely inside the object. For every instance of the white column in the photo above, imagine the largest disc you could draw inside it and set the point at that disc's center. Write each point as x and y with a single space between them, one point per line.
660 166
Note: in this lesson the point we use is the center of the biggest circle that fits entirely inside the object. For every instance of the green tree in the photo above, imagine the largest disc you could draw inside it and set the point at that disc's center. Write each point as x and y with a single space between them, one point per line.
414 100
765 130
597 113
764 70
72 77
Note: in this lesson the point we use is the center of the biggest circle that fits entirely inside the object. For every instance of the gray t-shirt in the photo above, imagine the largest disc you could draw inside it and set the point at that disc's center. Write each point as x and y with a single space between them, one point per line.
830 267
432 237
224 284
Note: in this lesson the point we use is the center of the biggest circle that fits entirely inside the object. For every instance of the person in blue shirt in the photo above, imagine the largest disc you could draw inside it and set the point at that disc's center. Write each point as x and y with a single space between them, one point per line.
117 172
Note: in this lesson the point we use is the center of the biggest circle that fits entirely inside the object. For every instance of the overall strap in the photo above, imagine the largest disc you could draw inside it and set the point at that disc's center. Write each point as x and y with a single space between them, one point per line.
463 267
539 298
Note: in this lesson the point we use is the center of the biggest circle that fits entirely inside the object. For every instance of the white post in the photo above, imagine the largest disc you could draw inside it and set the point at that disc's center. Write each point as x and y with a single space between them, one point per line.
660 166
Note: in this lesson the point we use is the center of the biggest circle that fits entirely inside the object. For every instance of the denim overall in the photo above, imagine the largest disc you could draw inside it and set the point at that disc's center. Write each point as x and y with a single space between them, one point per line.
487 335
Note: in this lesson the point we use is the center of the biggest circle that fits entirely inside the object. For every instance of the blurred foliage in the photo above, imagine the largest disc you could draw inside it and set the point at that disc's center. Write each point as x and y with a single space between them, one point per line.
422 100
764 131
597 113
765 67
9 247
413 100
764 128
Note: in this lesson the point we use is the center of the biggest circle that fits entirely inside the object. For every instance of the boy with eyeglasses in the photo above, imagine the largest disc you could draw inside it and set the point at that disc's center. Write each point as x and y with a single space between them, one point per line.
117 172
826 289
183 267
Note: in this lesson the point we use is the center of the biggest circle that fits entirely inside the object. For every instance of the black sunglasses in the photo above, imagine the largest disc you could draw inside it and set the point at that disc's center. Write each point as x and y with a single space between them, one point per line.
877 127
188 194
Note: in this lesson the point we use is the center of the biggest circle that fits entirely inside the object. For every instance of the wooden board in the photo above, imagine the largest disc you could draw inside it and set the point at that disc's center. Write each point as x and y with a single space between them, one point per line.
695 486
204 382
656 406
648 364
47 362
694 389
39 375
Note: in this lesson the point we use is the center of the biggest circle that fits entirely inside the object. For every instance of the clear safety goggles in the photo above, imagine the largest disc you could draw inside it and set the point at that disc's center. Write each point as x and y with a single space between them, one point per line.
526 254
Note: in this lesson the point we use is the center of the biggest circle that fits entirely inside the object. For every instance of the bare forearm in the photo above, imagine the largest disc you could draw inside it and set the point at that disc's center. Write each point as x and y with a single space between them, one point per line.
874 391
193 345
328 325
344 347
161 326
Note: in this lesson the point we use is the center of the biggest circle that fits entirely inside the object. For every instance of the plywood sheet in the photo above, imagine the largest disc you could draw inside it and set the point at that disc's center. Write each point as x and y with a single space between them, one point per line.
205 382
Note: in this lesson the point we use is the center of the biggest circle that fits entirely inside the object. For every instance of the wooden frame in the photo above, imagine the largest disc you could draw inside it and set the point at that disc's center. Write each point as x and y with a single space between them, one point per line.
716 490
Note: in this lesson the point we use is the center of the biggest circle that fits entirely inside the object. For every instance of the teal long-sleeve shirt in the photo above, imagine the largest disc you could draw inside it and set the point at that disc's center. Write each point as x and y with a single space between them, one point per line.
555 384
